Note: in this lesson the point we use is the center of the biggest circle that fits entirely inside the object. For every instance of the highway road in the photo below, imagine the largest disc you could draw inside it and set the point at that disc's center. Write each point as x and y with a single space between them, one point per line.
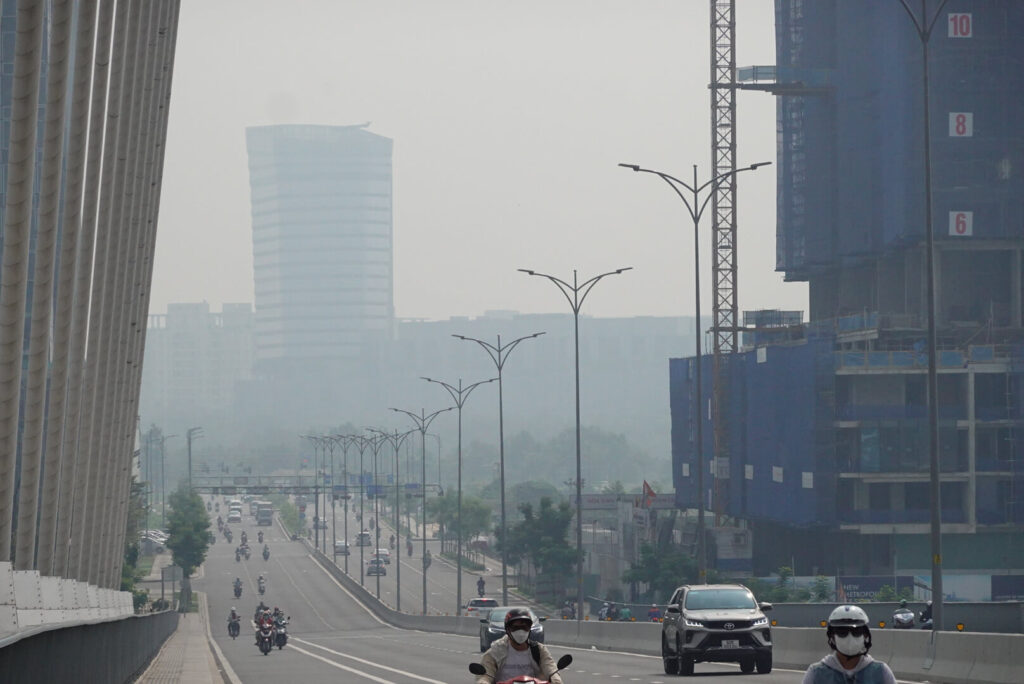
334 639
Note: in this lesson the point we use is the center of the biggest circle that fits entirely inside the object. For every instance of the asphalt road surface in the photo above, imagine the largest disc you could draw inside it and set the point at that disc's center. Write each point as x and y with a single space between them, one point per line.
332 638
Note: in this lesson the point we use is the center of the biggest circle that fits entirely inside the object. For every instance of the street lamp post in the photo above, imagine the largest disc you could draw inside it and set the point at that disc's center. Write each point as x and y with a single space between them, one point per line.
422 422
331 442
924 26
396 439
317 442
190 434
361 444
376 442
459 395
578 292
499 354
696 207
346 442
163 483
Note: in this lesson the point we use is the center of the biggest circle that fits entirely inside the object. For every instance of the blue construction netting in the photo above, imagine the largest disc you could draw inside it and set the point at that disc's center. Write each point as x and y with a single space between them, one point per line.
850 158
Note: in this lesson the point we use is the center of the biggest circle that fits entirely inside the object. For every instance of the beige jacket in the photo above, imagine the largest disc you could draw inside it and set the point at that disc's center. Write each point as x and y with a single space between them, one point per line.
496 655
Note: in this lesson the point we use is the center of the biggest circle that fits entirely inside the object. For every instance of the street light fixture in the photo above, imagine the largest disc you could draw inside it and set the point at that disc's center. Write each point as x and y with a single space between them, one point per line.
422 422
190 434
376 442
317 441
346 441
579 292
499 354
696 207
459 395
924 27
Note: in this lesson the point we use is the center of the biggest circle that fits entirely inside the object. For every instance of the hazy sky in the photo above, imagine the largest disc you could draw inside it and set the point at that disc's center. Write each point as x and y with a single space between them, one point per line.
508 119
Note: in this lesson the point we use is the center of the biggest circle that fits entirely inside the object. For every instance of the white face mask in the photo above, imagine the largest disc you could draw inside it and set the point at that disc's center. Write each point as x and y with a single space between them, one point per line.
520 635
850 645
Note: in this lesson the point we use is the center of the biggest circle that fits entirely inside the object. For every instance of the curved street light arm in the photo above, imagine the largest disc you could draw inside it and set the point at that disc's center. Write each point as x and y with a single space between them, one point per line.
507 349
589 285
492 351
459 394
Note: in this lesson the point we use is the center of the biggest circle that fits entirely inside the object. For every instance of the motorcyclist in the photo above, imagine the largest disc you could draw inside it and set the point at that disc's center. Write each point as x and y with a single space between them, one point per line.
391 542
516 654
260 536
245 538
654 613
259 611
602 614
263 619
926 614
261 583
850 640
480 586
237 584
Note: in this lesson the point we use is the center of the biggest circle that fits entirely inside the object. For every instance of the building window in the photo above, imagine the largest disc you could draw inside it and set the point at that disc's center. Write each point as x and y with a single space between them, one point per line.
807 480
748 472
776 473
915 496
878 497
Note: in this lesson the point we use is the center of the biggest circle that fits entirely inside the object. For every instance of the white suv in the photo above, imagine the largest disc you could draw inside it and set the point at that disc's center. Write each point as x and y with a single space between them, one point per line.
715 623
479 607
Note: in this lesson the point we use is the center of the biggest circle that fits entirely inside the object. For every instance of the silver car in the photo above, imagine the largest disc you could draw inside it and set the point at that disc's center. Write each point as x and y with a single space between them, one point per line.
715 623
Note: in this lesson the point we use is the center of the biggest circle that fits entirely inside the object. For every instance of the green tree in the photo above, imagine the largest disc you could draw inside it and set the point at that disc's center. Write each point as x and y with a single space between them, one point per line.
542 537
188 528
886 593
662 569
821 590
476 515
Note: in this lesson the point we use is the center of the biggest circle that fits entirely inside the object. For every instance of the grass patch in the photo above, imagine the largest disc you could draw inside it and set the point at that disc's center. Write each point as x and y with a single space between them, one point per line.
466 563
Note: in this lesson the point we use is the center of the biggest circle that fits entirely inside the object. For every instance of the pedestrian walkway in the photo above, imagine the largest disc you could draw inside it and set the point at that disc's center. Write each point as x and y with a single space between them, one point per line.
185 656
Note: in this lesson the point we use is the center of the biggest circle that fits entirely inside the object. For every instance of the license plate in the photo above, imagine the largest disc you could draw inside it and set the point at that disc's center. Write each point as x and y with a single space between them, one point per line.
730 643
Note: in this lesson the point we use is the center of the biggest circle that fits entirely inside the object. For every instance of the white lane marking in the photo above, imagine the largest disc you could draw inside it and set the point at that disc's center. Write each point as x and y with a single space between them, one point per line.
213 643
304 597
370 663
350 594
340 666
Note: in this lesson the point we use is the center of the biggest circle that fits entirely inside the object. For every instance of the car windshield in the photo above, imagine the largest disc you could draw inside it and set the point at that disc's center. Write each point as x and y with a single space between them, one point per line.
483 603
719 599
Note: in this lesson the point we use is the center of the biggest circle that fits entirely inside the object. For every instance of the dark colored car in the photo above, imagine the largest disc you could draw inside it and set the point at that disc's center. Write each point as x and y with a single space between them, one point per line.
715 623
492 627
376 567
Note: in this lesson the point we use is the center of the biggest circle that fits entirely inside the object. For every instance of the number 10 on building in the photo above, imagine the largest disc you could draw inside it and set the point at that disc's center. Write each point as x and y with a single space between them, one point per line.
961 223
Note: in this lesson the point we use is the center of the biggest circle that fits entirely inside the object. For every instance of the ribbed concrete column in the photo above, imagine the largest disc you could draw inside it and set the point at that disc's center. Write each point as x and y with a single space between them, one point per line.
106 361
86 525
168 32
74 475
28 48
144 224
127 221
54 463
42 289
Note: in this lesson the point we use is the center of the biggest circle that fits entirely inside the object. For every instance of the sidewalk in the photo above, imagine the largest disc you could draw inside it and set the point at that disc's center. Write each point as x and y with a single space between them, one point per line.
186 656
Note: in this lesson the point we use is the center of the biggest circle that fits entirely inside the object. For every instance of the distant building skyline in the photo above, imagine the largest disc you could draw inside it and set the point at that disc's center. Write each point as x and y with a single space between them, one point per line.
322 240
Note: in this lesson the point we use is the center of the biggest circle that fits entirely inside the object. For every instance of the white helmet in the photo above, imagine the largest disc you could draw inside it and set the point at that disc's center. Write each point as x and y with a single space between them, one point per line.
848 616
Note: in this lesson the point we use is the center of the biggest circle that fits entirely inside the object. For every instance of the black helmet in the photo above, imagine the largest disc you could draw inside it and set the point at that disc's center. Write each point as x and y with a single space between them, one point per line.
517 614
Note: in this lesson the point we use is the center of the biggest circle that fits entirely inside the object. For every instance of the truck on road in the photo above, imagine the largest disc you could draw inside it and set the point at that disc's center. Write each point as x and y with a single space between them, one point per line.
264 513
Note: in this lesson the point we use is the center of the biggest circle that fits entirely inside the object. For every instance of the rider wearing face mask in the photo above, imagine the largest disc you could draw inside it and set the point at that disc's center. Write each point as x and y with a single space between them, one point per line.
516 654
850 639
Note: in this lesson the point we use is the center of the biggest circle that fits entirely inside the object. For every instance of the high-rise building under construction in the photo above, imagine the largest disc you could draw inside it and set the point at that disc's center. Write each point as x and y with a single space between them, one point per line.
828 448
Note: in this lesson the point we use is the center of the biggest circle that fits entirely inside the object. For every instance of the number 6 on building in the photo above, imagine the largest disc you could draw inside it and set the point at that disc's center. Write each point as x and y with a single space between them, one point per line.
961 223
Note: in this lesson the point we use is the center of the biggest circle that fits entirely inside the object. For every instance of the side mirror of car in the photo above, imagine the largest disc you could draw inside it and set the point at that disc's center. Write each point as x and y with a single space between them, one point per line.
764 606
477 669
484 620
674 609
543 619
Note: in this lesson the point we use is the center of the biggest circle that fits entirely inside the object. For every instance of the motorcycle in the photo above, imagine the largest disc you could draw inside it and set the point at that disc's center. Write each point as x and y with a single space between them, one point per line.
563 662
282 632
233 626
265 637
266 554
260 537
408 547
262 588
238 591
903 618
238 556
227 535
245 539
480 589
925 623
248 552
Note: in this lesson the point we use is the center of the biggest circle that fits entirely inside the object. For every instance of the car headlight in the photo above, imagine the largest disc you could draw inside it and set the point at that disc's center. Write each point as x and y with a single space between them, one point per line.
760 621
693 623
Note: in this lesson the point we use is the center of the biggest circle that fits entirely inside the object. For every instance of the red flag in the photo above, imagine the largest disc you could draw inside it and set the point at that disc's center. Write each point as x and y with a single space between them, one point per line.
649 495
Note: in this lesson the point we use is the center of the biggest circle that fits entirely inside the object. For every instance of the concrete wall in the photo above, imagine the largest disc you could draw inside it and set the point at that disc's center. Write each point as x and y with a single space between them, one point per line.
1005 617
114 650
28 600
941 657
